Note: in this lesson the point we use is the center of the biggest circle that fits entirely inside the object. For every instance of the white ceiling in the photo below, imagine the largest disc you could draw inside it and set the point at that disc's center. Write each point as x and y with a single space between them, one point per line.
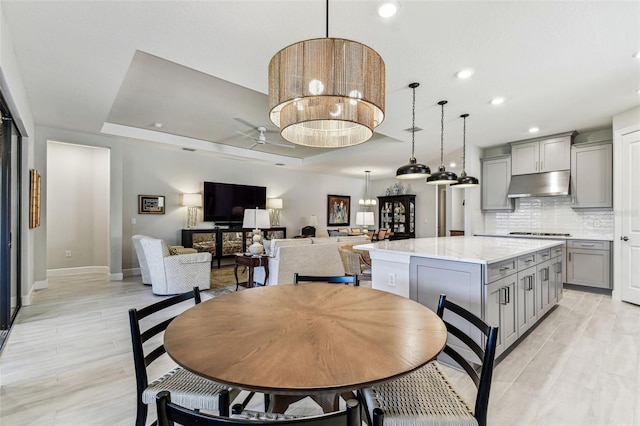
201 70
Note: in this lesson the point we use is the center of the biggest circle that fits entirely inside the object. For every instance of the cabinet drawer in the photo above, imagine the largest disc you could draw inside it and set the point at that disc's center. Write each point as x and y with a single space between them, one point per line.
501 269
543 255
588 244
526 261
556 251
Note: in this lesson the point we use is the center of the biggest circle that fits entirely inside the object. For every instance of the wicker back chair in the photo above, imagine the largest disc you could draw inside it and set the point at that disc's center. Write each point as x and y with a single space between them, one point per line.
425 396
353 262
186 388
168 413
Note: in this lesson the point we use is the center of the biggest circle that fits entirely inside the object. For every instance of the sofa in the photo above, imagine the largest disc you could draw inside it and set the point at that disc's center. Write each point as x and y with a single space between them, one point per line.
308 256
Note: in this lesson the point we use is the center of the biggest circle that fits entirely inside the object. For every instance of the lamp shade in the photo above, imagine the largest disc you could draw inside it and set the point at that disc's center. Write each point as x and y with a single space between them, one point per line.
192 200
274 203
313 220
364 218
327 92
256 219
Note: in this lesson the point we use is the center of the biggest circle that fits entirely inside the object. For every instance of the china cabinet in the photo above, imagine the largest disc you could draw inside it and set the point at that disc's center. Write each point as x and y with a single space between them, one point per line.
398 213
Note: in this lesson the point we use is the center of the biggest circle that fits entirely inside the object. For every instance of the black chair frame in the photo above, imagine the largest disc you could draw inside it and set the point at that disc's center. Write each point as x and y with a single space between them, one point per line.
168 413
142 361
339 279
486 355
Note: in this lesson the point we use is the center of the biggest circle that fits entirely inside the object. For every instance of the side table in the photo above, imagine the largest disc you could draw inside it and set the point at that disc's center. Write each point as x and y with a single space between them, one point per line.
251 262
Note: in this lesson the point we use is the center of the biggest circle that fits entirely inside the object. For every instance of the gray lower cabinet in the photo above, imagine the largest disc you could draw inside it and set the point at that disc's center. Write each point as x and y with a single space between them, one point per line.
556 271
589 263
592 176
496 176
526 299
500 309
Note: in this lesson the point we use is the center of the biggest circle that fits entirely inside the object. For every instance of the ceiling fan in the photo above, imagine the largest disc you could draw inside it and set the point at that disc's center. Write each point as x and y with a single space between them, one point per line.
261 139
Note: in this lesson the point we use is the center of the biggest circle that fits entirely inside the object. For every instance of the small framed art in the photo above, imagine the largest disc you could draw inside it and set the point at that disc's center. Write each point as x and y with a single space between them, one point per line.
150 204
338 210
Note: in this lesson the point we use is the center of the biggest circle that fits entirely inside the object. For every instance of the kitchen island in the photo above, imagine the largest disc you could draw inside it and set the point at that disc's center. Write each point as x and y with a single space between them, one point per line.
510 283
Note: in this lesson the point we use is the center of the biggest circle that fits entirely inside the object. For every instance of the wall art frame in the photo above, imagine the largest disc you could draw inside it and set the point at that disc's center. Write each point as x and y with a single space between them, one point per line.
35 182
338 209
150 204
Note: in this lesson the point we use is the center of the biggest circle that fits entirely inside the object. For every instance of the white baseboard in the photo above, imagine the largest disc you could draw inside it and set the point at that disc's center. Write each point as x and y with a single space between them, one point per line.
42 284
116 277
77 271
132 272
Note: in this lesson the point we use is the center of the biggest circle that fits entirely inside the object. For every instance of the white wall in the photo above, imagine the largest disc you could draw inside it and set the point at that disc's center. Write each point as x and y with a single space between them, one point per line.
77 206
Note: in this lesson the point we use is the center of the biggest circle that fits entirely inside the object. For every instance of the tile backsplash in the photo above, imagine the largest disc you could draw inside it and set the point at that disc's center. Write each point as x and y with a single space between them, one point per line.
550 214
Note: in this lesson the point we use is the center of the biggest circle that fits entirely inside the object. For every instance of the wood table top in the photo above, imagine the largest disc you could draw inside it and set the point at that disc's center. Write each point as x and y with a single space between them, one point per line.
305 338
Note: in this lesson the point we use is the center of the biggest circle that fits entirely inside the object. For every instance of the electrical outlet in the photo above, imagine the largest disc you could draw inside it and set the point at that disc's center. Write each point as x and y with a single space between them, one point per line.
67 253
133 220
392 279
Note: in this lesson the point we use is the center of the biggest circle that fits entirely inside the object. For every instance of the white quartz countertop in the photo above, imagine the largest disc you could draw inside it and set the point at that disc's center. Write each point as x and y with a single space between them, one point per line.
484 250
545 237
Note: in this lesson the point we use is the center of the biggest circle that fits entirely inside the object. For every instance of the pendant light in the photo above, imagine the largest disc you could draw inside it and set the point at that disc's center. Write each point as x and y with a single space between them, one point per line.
442 177
327 92
367 200
465 181
413 170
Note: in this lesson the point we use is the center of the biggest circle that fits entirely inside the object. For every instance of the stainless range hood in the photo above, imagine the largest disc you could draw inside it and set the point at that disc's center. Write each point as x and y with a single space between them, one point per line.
539 184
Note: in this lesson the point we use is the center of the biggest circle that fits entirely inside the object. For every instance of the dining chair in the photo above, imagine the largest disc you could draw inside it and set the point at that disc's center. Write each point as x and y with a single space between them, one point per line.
426 396
339 279
354 262
170 413
187 388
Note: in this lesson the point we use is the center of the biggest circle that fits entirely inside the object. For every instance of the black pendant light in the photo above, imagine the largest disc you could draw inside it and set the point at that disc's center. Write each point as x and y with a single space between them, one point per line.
465 181
442 177
413 170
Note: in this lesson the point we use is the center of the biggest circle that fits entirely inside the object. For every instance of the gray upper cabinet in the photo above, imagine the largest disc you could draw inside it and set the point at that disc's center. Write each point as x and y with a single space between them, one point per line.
544 155
496 176
592 176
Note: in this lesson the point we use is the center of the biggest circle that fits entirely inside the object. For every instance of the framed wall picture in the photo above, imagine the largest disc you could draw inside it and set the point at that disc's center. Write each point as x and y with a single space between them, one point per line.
150 204
34 198
338 210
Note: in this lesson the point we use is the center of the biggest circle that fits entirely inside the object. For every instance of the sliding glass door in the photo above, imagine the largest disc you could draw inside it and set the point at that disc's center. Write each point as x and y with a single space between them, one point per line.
9 222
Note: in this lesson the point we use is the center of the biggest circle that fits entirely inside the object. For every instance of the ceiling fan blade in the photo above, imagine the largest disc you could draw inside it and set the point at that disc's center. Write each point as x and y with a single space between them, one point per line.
282 144
245 122
272 131
247 135
252 146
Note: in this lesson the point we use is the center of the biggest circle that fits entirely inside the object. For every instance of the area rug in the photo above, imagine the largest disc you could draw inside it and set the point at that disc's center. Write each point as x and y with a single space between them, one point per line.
222 277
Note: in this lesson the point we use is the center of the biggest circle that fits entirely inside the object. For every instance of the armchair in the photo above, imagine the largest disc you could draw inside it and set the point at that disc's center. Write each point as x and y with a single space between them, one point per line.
142 260
173 274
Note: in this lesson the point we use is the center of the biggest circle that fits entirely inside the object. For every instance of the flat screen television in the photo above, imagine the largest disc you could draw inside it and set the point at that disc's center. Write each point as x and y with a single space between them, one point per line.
224 203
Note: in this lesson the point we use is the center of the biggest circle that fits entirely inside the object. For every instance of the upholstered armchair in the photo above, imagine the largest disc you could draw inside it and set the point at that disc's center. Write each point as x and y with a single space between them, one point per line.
173 274
355 262
142 261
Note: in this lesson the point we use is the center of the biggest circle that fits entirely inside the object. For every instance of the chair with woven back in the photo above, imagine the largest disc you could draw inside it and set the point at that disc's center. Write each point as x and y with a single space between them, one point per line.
170 413
339 279
426 396
187 388
354 261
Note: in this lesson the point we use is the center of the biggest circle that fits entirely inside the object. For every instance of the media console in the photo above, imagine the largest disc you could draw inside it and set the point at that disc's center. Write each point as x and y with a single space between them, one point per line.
225 242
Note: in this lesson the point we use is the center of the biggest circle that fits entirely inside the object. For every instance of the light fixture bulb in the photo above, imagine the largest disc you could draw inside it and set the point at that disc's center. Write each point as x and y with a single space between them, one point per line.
387 9
497 101
466 73
534 130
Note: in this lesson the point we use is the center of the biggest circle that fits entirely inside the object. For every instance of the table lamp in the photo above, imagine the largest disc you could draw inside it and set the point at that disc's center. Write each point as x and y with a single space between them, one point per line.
192 201
365 219
274 205
256 219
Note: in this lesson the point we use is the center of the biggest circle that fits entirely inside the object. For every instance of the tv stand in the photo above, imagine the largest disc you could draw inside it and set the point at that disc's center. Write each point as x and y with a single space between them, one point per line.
225 242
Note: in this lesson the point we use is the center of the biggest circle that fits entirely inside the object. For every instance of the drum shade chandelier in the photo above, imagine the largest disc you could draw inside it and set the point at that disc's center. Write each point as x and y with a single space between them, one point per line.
327 92
413 170
465 181
442 177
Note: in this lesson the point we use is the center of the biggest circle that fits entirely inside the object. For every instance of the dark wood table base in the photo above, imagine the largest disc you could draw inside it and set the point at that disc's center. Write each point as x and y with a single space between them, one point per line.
251 262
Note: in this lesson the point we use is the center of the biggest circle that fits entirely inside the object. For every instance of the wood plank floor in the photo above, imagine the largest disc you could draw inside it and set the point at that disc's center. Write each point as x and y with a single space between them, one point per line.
68 361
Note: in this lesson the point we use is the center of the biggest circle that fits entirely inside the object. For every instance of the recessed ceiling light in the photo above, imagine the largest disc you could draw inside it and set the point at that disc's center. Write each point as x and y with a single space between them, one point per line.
387 9
636 55
466 73
452 164
157 125
534 130
497 101
638 91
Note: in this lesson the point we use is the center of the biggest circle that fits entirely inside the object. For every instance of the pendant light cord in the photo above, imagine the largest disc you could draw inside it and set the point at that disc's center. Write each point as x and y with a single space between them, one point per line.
442 134
464 141
327 18
413 125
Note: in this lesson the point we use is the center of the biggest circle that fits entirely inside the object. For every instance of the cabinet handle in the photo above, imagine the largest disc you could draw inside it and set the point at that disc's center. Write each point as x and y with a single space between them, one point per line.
503 296
546 273
504 268
508 295
569 257
558 268
587 245
530 277
528 261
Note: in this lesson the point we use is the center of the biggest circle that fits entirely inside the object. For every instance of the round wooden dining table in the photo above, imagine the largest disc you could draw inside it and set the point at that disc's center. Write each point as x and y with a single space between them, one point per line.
304 339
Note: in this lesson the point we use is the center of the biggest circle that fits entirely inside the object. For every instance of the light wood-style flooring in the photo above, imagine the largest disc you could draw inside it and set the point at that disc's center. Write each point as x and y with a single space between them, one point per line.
68 361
